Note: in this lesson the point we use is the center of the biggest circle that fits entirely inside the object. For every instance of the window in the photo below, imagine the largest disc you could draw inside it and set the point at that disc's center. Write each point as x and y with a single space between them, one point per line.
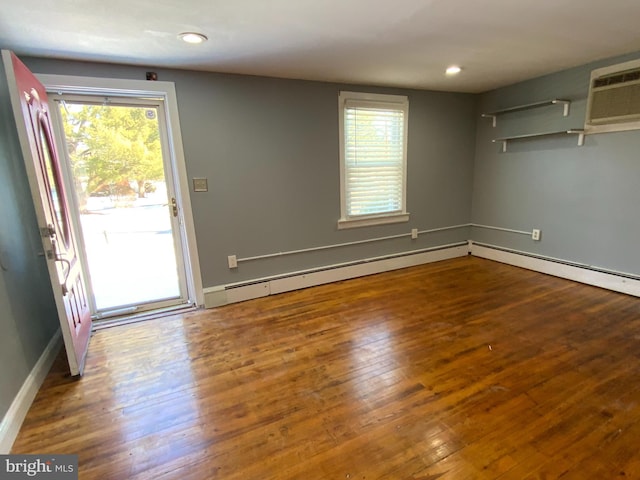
373 159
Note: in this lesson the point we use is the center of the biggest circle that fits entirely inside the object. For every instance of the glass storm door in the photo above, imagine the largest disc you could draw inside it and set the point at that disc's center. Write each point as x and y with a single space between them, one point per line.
124 202
51 203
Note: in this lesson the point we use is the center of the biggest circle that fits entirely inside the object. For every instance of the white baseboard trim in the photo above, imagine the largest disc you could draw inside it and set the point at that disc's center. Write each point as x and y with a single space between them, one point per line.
14 417
583 274
226 294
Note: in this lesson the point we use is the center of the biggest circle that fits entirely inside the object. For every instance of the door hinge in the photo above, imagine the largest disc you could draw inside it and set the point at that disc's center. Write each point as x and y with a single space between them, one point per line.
47 231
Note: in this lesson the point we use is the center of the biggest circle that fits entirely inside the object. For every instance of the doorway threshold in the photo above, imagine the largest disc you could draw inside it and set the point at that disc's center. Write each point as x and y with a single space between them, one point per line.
126 319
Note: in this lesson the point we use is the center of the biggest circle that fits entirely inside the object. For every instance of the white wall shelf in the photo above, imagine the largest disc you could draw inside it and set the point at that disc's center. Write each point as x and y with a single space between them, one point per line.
554 101
505 140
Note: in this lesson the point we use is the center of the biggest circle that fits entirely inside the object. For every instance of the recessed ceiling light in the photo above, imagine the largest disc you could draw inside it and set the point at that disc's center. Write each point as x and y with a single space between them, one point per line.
192 37
453 70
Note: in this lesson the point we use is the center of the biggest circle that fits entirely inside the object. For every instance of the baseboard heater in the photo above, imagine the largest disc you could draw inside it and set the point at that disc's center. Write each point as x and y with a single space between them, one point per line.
237 292
346 264
609 279
600 277
561 262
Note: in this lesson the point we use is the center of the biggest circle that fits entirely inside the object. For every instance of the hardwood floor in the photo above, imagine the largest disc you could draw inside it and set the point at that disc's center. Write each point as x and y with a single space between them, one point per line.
462 369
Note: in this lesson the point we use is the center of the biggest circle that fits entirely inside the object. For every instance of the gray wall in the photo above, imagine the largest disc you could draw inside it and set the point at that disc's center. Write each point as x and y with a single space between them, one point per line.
584 199
28 317
269 148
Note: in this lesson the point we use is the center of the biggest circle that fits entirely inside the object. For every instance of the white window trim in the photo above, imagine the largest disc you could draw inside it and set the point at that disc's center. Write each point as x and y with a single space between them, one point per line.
166 90
399 102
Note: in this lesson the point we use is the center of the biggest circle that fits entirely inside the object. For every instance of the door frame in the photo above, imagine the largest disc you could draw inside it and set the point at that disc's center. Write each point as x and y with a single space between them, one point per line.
185 292
95 86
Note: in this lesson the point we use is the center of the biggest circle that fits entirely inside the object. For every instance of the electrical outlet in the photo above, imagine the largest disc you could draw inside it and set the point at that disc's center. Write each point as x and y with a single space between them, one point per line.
414 233
535 235
233 261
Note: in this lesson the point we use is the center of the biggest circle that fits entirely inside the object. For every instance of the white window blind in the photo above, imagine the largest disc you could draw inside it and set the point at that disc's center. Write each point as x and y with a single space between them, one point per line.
374 157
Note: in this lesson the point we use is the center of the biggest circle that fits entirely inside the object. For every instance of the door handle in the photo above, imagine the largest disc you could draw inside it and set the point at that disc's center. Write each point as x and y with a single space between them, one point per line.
66 275
56 257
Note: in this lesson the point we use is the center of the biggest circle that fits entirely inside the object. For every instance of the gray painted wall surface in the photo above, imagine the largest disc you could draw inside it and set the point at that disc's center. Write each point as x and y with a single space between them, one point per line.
28 317
584 199
269 148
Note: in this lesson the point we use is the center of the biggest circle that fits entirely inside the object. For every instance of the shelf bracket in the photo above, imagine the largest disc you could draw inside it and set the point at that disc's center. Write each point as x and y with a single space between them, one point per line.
492 117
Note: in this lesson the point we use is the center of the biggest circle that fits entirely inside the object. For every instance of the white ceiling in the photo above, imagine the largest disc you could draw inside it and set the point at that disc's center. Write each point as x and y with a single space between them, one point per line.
405 43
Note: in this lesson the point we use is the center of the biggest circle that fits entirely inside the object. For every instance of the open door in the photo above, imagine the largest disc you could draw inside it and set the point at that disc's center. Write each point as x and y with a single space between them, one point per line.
31 111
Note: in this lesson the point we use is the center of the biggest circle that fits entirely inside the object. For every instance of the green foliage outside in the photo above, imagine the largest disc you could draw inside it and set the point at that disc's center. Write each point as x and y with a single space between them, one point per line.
114 150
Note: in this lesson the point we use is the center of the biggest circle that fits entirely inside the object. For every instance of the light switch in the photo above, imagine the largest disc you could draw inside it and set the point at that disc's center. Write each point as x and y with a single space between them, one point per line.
200 185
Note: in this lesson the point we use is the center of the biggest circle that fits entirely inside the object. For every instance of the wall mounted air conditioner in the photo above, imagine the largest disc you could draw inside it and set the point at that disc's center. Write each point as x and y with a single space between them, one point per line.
614 98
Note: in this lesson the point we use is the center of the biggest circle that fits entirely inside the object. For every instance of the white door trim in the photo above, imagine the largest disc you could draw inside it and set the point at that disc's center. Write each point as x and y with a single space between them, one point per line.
138 88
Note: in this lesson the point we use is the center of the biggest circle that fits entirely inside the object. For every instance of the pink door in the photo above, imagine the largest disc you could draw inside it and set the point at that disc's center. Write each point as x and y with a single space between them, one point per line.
31 110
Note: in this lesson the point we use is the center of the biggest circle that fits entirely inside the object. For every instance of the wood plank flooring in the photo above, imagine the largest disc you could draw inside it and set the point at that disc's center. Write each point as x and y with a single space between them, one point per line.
461 369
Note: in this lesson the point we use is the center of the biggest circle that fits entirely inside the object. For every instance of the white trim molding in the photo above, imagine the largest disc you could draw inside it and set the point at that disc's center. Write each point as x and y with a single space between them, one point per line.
367 221
615 281
232 293
14 417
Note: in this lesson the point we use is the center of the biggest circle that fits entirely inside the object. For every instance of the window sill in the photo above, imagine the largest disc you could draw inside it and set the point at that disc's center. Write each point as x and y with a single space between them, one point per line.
344 223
